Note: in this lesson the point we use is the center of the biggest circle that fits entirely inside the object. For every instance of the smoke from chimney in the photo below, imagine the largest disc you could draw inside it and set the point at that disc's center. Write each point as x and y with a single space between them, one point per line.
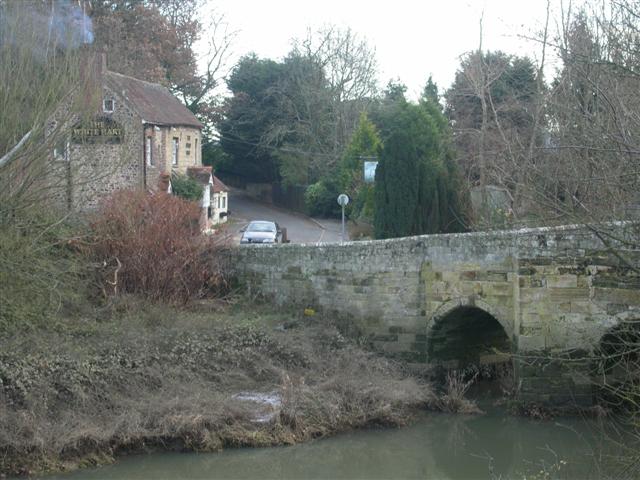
60 25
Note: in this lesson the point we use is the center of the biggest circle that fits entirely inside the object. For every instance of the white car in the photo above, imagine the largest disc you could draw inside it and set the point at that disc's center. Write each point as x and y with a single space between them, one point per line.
260 231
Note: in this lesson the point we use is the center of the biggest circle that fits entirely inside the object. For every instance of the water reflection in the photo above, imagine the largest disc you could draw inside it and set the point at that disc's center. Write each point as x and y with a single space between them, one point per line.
436 447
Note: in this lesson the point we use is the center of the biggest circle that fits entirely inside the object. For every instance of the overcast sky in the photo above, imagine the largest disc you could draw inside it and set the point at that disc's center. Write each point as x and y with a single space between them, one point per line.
412 39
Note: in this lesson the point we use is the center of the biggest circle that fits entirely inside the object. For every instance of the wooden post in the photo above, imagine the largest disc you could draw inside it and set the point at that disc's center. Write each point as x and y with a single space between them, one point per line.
284 235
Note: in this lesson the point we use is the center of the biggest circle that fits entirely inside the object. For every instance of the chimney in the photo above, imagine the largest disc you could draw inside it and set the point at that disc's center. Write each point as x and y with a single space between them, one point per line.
92 68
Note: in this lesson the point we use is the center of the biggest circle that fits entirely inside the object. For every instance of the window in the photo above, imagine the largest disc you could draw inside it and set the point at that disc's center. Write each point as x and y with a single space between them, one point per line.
61 150
174 157
188 137
224 202
218 201
108 105
196 152
148 150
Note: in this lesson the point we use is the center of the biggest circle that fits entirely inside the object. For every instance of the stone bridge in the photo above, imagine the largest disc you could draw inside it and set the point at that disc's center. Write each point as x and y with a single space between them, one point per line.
528 296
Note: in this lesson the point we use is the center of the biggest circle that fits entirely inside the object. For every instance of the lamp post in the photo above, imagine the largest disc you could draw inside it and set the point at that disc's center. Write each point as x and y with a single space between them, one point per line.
343 200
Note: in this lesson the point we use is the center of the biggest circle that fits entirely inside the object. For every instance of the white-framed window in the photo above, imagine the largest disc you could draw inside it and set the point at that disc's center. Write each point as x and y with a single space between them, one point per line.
148 150
108 105
61 150
174 151
224 202
195 154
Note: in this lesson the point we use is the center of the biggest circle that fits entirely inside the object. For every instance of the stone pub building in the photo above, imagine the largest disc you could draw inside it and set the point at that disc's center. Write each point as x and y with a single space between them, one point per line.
139 135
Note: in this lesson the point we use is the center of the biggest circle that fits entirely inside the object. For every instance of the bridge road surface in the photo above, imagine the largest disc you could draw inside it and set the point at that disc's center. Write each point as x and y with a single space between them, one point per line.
300 228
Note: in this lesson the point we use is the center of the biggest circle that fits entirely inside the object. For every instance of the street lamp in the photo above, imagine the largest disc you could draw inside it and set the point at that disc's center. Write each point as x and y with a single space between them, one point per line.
343 200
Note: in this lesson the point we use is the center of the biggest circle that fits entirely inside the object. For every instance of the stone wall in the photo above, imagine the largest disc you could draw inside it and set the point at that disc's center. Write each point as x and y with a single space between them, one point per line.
188 154
553 290
98 169
94 169
189 150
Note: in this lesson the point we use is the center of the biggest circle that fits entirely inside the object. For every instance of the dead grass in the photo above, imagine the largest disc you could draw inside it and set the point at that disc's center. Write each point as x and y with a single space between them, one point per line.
454 400
146 378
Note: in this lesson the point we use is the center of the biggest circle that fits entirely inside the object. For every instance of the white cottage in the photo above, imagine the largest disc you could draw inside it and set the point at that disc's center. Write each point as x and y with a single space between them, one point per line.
215 202
219 201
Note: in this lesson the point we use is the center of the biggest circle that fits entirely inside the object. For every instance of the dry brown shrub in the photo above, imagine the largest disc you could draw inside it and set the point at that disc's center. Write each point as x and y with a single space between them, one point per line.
454 400
151 245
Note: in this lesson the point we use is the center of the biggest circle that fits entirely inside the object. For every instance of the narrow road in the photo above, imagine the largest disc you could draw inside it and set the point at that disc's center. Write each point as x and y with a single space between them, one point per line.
300 228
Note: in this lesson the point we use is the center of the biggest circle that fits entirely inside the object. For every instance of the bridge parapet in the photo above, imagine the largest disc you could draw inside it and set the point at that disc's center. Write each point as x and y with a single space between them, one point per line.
551 289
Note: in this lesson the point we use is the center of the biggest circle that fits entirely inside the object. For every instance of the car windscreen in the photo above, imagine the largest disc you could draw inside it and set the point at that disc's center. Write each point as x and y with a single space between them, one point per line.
261 227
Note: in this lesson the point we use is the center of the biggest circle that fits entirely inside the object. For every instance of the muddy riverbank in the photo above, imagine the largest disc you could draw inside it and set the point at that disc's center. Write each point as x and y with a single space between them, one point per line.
148 378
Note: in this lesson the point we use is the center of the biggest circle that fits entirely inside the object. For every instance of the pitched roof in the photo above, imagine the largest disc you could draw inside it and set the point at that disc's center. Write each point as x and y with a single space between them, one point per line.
218 186
153 102
201 175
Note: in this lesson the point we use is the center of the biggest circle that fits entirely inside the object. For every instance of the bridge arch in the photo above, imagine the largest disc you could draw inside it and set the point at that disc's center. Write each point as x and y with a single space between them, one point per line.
472 301
617 357
467 332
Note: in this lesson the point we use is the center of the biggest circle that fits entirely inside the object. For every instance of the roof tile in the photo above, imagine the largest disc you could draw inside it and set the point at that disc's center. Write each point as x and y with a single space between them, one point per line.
153 102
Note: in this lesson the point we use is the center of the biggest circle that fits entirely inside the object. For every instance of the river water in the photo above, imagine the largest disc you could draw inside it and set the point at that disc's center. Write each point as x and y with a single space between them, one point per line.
437 446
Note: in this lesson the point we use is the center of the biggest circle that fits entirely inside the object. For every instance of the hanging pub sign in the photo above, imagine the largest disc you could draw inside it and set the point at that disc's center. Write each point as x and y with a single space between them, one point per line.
100 130
370 171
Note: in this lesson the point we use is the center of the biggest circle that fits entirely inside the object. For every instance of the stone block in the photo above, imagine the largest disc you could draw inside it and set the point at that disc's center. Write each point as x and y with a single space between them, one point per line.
451 277
567 294
528 295
493 276
396 329
497 289
495 358
562 281
532 330
432 307
527 271
530 319
531 343
420 347
406 337
468 275
615 308
617 295
395 347
384 338
466 288
585 307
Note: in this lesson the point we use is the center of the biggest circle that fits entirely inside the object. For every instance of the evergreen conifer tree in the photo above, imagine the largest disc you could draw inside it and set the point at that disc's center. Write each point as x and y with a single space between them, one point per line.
416 188
365 143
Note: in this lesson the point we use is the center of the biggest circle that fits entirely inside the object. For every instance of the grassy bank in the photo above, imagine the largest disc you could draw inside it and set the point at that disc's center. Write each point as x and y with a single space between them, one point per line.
144 377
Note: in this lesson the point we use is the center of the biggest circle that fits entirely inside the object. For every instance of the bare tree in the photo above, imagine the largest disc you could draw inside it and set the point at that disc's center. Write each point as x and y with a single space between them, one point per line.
43 88
349 68
588 167
40 65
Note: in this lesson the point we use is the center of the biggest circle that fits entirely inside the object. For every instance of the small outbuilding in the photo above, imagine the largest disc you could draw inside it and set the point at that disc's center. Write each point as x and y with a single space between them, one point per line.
219 201
215 198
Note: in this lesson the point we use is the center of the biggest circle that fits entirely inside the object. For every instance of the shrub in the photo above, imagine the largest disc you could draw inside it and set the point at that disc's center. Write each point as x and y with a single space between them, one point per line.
186 188
454 400
320 199
151 245
41 274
